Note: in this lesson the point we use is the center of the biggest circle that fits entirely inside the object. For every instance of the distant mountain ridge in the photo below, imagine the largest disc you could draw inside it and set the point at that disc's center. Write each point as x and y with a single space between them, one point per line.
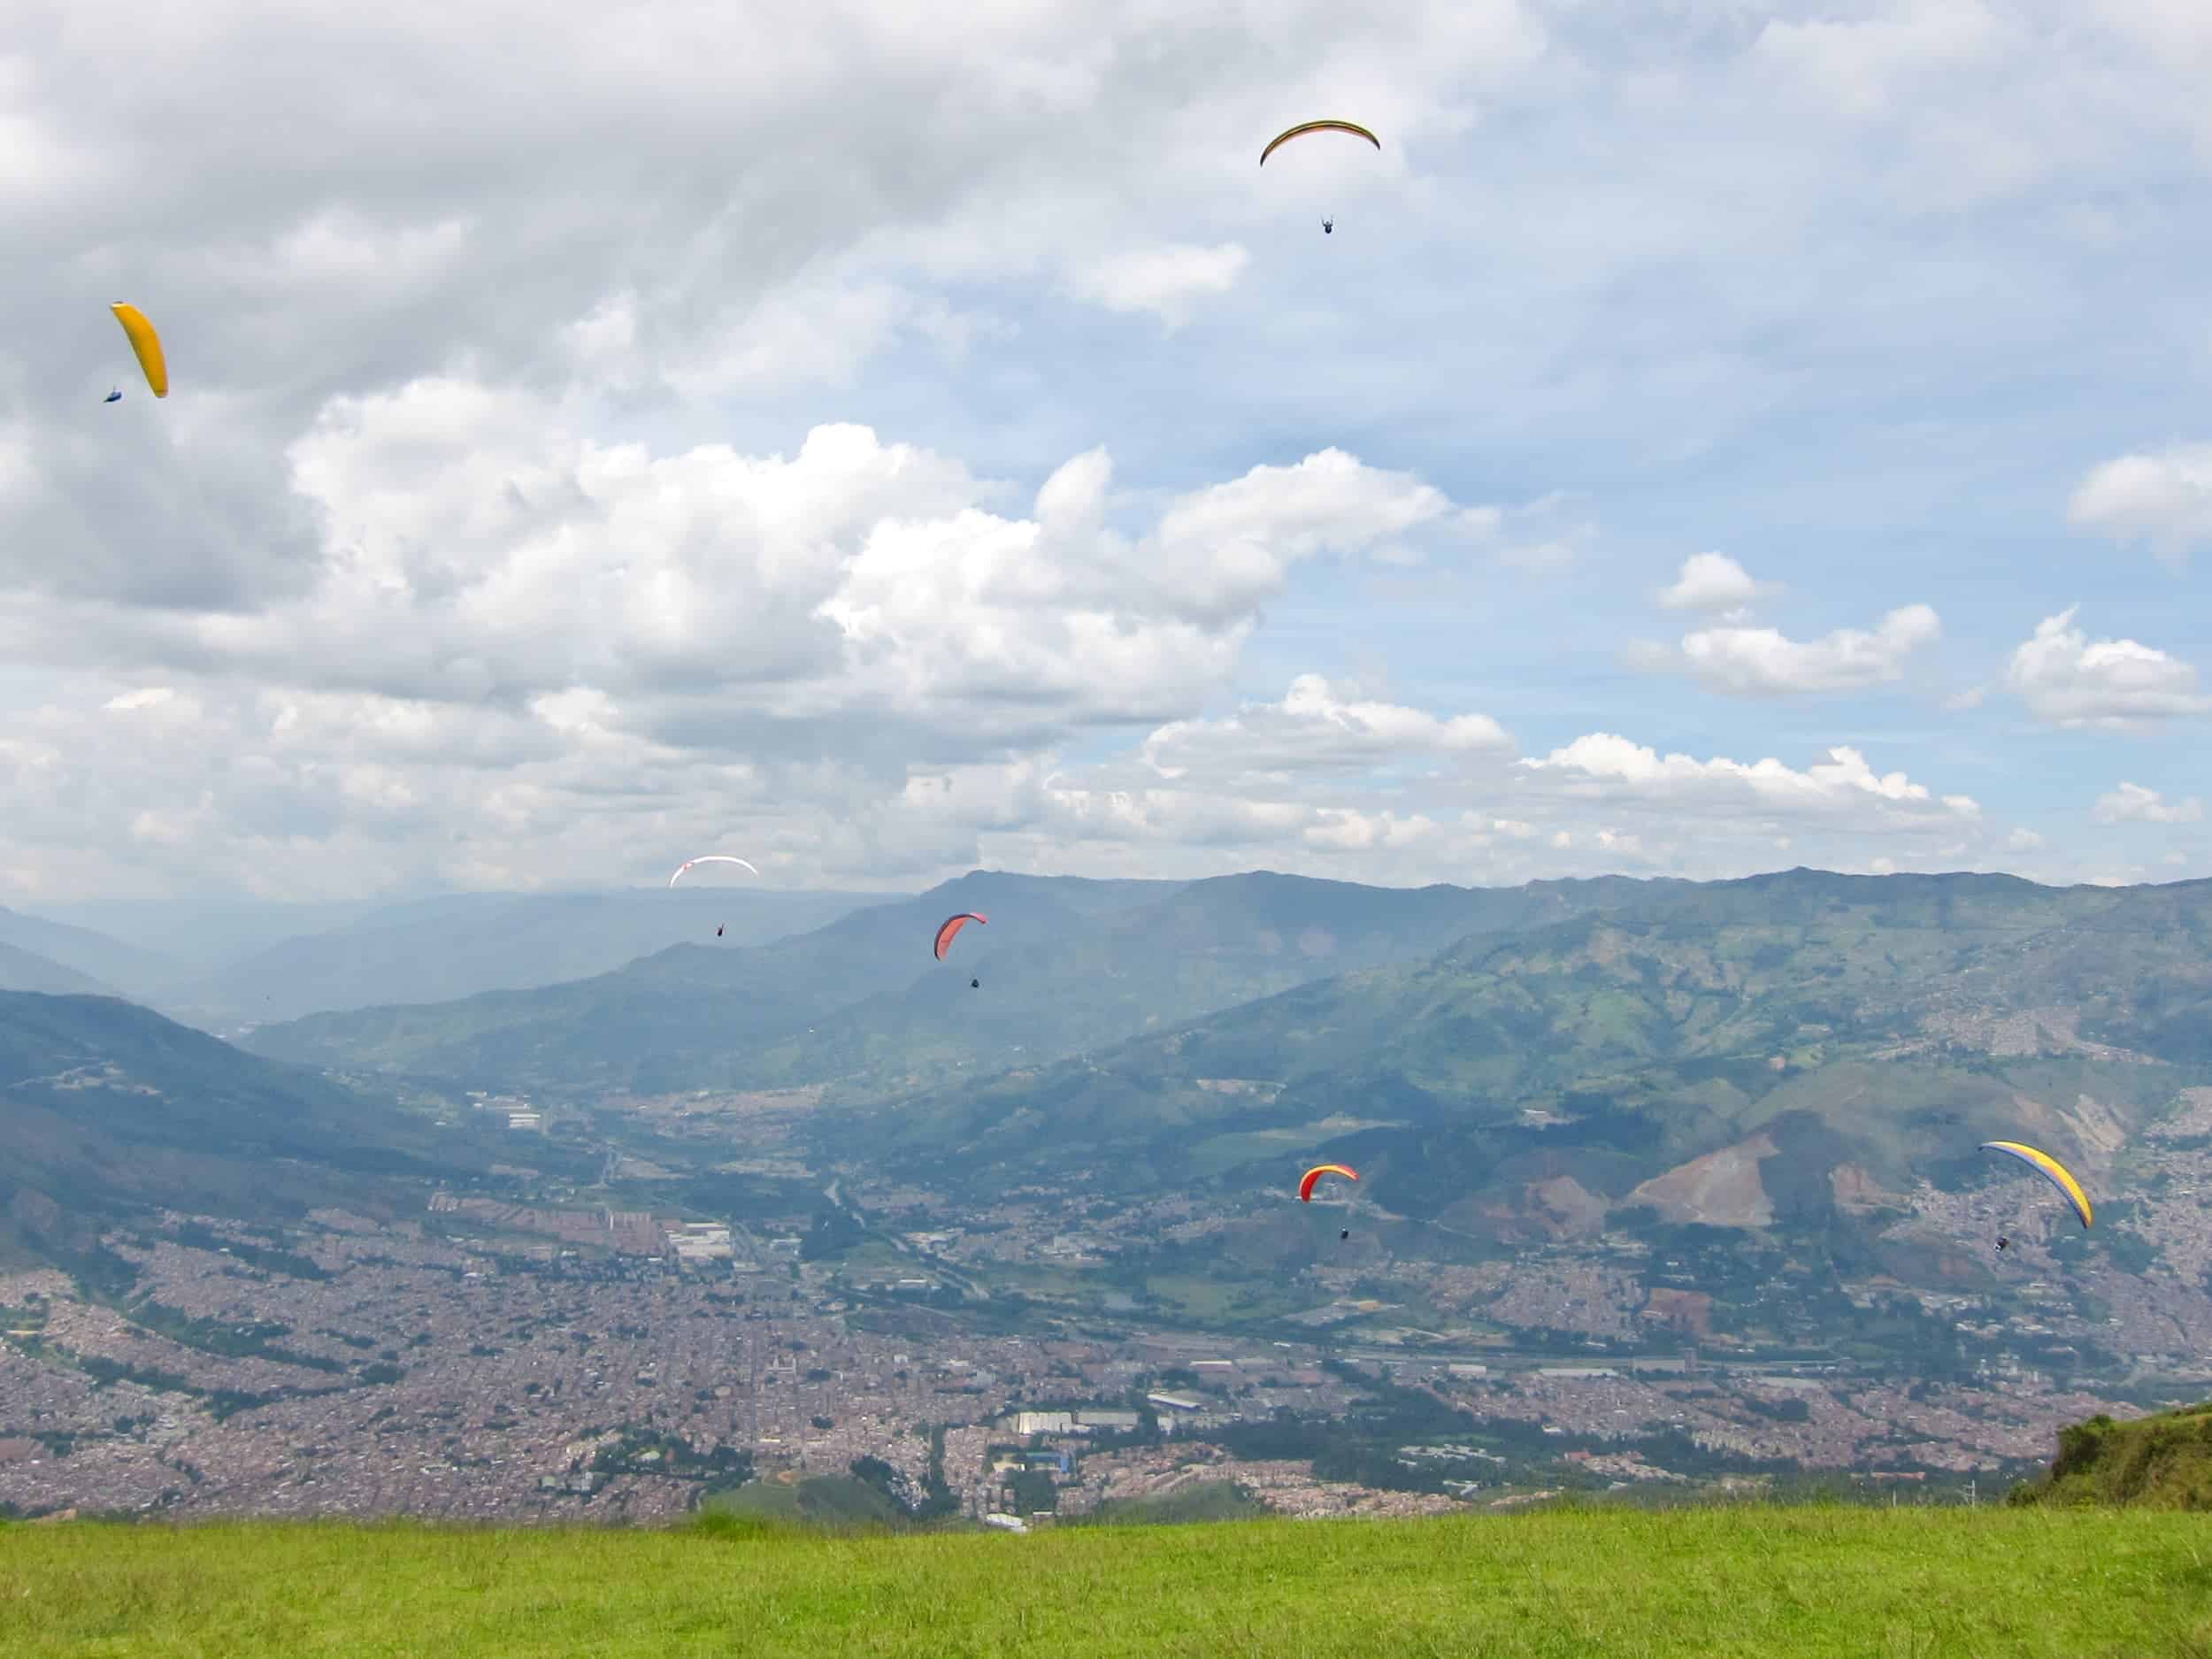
103 964
26 971
1065 963
444 950
423 951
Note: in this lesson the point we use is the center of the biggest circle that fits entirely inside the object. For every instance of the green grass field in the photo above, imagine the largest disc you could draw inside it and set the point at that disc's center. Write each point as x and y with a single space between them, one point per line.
1713 1584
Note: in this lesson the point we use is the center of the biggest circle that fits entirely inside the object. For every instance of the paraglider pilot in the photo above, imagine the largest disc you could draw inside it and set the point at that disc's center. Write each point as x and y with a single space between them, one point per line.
1328 227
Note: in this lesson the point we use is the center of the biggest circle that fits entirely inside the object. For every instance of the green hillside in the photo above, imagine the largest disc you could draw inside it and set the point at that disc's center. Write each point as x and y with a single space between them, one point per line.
107 1109
1787 1055
2162 1462
1736 1582
1862 1007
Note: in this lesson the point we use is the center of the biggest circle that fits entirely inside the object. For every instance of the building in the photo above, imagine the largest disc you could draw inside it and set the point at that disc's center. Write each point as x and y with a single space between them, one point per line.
1176 1403
702 1241
1006 1523
1044 1423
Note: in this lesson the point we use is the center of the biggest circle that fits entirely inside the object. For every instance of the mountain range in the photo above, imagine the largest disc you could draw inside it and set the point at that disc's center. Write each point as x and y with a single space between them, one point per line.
1802 1056
860 1006
1792 1054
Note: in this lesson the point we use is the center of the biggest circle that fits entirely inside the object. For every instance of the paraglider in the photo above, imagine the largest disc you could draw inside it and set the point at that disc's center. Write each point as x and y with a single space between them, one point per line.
975 984
1306 1182
717 930
708 858
1328 224
147 346
951 927
2051 1170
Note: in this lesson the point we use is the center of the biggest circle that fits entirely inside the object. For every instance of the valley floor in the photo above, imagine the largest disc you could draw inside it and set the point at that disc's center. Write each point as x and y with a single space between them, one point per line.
1723 1583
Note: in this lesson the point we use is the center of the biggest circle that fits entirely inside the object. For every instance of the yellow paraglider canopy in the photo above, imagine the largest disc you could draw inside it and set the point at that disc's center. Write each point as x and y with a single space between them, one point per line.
146 343
2050 1169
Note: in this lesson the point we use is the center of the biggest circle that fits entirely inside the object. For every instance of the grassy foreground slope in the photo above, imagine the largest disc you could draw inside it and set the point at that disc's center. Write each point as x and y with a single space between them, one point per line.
1814 1583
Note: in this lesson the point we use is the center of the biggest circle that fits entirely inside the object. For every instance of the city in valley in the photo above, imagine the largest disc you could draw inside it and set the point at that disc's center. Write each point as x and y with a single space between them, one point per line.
529 1353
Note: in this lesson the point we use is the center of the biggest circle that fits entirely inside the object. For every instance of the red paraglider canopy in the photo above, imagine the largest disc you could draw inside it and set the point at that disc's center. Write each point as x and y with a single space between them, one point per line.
1305 1186
953 925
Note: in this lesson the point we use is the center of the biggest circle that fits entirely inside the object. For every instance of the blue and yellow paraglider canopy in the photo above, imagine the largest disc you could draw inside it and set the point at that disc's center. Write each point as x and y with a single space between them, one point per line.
2050 1169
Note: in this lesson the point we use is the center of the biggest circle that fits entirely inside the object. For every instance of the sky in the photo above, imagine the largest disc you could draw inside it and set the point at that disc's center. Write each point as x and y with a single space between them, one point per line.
1715 437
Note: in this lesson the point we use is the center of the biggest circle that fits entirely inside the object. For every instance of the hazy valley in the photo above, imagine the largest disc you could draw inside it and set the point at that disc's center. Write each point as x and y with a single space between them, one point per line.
1661 1183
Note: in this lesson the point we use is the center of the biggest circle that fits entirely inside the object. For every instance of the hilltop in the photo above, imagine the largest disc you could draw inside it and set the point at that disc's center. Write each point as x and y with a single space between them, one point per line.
2160 1461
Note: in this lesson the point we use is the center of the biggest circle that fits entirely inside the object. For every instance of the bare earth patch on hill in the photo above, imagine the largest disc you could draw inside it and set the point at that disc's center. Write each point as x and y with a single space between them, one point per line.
1721 1189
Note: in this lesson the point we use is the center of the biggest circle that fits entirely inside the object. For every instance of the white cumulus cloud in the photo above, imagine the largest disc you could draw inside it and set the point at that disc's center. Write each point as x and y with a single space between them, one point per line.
2068 681
1712 581
2131 804
1764 662
1603 765
2164 499
1315 727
